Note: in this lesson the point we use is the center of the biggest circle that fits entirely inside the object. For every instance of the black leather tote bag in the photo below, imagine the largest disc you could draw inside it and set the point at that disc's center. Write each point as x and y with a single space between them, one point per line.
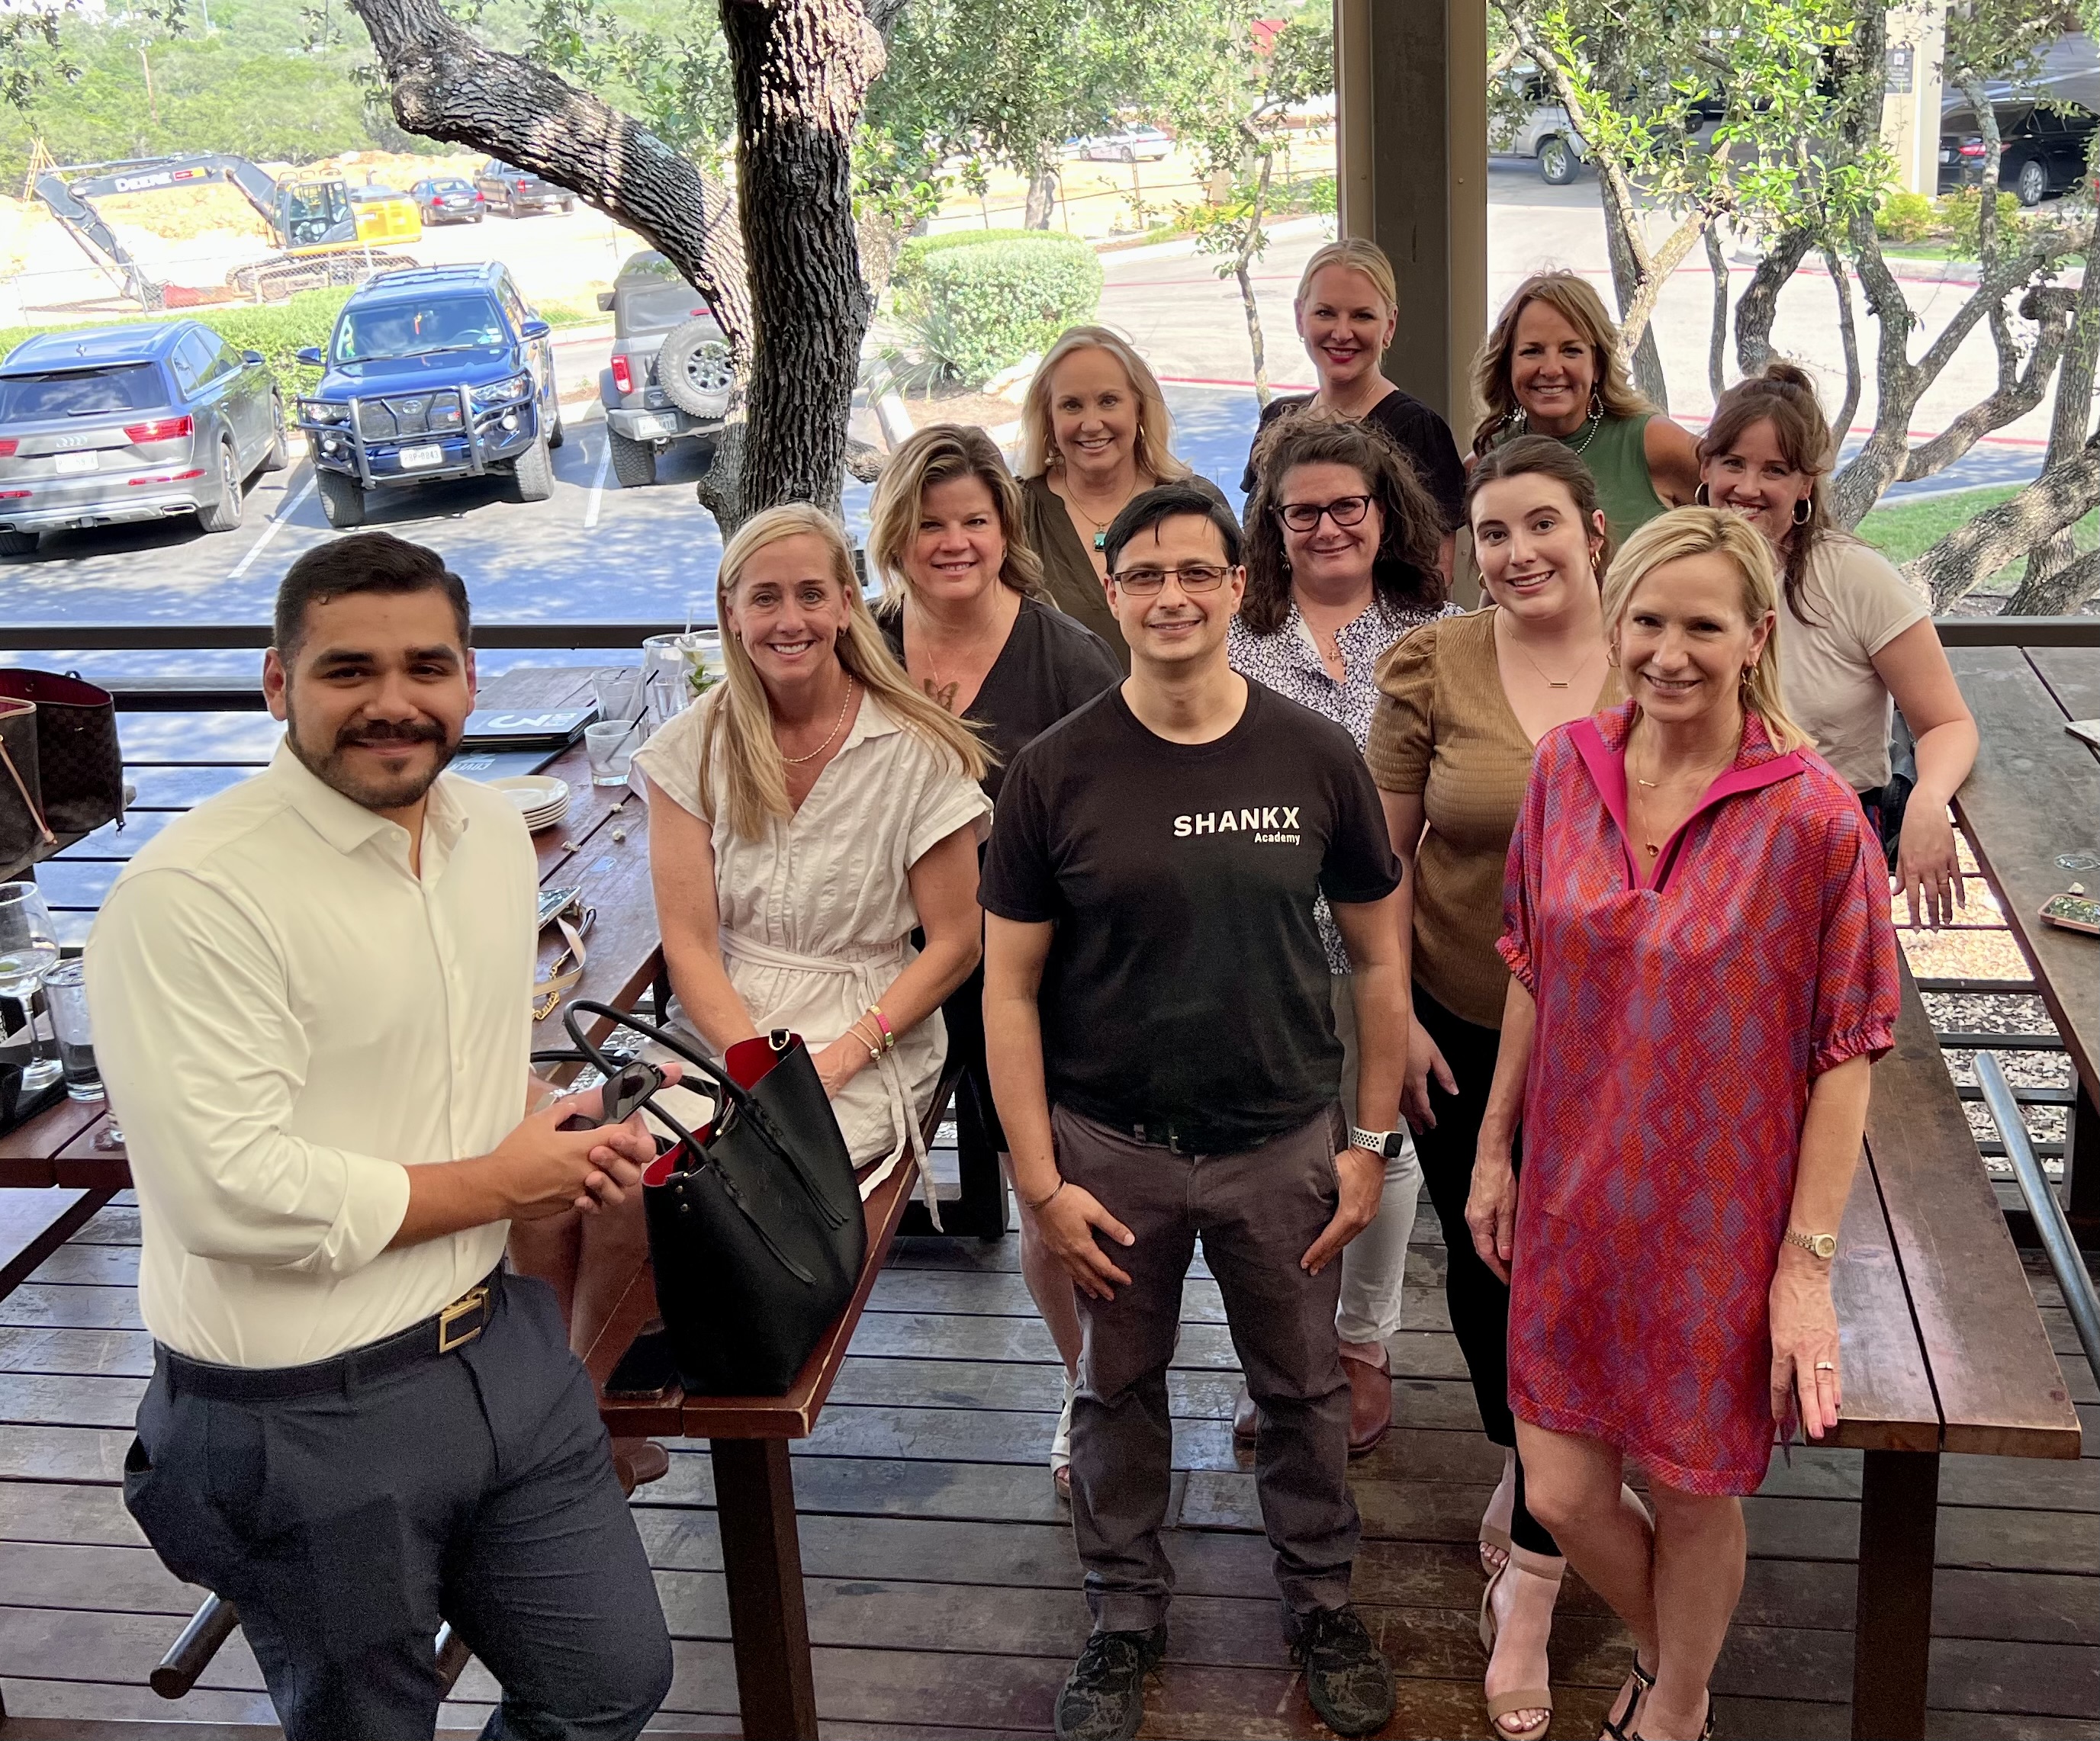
756 1229
80 771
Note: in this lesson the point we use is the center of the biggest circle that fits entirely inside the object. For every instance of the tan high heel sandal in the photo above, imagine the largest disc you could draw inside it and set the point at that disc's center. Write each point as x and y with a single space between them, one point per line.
1548 1569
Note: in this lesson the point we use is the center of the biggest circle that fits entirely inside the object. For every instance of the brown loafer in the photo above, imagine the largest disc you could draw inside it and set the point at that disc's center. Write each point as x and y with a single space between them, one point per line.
1246 1418
1371 1395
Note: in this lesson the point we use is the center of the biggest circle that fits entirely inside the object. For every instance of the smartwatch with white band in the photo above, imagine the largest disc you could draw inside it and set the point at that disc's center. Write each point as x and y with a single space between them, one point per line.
1385 1144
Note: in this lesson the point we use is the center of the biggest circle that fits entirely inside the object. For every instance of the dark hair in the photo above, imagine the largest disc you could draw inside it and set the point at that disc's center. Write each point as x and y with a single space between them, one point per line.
1404 577
1171 501
1542 457
1784 397
362 562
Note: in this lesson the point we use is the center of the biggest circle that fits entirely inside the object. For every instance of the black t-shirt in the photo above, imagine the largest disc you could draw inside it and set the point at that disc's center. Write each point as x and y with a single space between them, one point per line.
1051 663
1414 429
1186 985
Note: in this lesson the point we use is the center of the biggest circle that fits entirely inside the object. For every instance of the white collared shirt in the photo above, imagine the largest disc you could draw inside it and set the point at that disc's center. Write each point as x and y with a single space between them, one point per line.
287 1017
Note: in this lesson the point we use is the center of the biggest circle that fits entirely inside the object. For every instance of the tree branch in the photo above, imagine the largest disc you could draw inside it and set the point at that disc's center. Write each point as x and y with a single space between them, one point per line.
1633 323
1848 332
447 85
2060 497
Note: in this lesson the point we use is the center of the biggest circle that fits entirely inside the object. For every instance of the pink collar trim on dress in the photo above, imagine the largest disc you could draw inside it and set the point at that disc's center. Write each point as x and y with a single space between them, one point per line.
1601 742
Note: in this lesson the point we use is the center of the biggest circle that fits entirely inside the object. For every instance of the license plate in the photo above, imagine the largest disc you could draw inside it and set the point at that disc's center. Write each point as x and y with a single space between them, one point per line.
657 423
78 462
414 459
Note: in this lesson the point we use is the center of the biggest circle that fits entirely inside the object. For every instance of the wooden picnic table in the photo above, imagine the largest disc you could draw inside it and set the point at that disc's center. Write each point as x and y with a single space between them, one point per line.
2033 797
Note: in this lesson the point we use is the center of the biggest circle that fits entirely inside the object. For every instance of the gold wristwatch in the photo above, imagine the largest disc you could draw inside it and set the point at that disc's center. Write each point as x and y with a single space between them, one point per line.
1824 1246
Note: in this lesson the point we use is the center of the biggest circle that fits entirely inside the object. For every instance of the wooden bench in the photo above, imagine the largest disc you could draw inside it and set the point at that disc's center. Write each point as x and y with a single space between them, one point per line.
1944 1351
754 1478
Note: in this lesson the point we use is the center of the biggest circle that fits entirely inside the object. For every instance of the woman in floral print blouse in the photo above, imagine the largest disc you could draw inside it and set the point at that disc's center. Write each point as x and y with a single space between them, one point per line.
1341 560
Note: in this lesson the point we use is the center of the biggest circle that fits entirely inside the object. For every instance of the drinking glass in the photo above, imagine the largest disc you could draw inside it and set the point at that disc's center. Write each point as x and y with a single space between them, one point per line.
65 992
28 950
609 746
620 694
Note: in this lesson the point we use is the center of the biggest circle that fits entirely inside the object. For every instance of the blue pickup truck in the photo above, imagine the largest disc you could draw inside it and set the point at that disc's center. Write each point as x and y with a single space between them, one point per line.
440 372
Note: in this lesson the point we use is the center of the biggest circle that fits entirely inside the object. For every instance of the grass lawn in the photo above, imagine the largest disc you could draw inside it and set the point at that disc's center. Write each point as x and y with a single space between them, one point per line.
1909 529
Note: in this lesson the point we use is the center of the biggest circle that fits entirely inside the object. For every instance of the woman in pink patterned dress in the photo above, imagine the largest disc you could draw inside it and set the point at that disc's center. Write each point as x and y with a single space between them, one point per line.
1697 926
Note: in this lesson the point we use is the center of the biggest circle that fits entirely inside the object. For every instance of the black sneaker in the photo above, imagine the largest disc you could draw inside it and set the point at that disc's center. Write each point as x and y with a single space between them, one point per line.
1347 1677
1103 1698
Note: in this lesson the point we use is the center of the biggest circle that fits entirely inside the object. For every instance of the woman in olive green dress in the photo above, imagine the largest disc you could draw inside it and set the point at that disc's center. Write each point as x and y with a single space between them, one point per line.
1553 365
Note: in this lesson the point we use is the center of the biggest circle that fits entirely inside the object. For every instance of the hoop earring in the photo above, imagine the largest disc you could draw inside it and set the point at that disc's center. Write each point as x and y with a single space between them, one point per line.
1700 496
1802 510
1596 403
1749 673
1612 654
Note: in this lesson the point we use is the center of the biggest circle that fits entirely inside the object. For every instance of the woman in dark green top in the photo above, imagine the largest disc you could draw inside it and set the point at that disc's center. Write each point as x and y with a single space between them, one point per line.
1554 365
1094 433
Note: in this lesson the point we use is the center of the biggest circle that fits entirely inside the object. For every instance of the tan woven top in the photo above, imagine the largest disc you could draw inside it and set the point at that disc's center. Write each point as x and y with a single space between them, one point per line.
1445 729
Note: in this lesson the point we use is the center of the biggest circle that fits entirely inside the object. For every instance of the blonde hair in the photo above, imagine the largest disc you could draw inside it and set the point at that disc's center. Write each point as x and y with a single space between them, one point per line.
1354 253
739 719
1155 423
1683 532
1584 309
940 453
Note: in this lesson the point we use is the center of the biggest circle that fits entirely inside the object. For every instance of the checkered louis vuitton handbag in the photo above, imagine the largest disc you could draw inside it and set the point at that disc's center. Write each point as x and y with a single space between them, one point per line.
79 770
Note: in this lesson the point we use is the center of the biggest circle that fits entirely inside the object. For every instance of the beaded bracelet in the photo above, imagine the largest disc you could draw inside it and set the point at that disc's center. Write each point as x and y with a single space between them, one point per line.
874 1050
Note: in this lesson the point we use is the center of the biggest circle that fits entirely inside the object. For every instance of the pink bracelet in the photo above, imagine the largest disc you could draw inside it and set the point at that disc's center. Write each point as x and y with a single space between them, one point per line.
882 1021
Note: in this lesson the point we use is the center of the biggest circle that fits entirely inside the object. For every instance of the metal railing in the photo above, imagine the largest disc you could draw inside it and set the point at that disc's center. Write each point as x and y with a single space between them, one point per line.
2051 1226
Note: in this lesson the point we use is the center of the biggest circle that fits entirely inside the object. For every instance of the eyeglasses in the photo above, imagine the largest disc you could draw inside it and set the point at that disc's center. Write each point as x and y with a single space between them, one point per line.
1195 577
1304 517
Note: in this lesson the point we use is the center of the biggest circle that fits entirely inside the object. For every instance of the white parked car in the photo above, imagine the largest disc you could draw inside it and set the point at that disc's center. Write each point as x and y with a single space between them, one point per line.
1527 120
1144 145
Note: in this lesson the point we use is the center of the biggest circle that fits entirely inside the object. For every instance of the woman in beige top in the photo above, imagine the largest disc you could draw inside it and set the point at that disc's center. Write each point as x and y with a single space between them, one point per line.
1465 700
1094 431
1856 636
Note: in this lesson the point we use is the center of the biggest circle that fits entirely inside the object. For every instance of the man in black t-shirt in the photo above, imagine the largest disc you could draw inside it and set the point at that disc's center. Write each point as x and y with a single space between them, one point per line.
1163 1056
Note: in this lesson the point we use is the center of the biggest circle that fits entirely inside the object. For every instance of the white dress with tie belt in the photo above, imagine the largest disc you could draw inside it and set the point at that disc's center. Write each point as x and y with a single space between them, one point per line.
817 914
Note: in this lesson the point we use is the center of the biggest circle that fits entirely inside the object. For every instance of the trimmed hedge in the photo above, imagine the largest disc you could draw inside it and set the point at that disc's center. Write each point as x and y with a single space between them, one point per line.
275 330
912 256
977 306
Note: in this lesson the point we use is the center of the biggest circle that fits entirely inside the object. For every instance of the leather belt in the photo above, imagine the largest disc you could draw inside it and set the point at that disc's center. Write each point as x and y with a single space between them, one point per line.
431 1338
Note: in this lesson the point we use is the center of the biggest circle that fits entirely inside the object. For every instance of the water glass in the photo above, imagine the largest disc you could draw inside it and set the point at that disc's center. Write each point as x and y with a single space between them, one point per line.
611 745
28 950
65 991
620 694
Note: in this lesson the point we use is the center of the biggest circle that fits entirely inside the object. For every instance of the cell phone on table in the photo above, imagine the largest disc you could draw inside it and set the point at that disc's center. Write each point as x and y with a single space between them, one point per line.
2074 913
646 1372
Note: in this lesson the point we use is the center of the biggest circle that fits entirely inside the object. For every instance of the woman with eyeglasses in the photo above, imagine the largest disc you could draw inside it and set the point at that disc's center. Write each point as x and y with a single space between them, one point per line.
1094 431
1464 703
1341 562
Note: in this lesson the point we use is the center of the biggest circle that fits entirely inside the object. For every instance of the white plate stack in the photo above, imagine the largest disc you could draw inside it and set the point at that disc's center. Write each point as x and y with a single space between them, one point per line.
541 799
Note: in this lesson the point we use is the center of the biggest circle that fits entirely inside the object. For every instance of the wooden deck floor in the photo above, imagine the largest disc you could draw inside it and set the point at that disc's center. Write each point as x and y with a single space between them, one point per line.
943 1591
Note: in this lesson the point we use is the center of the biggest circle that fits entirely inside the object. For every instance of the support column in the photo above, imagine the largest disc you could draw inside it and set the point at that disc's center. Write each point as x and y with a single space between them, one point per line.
1411 99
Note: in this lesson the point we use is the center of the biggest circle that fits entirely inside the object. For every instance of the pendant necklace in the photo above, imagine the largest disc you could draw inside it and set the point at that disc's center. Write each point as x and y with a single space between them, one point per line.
1551 682
796 761
1101 527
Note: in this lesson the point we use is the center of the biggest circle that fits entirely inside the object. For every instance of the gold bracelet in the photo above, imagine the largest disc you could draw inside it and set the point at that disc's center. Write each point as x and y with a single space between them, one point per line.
1044 1203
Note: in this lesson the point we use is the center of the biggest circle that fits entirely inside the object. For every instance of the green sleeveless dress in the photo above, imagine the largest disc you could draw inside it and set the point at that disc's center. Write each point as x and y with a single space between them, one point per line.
1617 454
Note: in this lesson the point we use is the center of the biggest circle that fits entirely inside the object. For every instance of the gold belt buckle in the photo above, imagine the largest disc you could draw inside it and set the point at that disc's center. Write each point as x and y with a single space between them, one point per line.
475 1299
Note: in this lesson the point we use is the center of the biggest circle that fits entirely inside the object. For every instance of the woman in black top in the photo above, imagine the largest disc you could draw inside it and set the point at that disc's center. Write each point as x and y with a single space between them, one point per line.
961 609
1347 309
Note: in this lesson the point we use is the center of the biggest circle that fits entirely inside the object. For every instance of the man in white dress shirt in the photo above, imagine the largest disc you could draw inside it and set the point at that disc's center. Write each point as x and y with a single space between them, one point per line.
311 998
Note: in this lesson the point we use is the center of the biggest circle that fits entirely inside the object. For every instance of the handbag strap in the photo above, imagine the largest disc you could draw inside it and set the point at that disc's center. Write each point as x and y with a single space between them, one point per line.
15 773
739 1096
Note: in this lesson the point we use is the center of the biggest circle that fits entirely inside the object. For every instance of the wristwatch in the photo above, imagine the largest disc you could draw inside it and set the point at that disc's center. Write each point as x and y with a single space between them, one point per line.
1824 1246
1385 1144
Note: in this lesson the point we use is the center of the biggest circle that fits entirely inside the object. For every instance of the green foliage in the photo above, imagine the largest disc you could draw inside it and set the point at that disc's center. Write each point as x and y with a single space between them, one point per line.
1906 218
979 308
1960 215
275 332
913 253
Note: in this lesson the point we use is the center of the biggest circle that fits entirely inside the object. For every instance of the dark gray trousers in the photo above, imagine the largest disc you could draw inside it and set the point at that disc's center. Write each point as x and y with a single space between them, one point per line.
1255 1212
477 1487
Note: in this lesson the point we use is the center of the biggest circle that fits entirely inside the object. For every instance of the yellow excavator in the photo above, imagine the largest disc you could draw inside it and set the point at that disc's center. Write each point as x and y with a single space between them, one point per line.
325 237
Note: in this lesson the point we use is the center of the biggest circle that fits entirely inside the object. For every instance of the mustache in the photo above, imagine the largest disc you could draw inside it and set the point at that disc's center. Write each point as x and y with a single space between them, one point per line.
390 731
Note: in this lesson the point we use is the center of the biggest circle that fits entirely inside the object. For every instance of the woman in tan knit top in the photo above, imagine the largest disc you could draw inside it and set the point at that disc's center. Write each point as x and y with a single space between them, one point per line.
1464 700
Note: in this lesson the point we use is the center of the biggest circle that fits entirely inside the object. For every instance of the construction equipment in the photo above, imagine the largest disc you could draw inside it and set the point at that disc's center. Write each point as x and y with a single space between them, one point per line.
314 221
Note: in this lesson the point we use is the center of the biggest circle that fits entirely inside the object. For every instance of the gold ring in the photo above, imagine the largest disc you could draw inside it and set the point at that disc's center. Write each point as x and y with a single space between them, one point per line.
1826 1366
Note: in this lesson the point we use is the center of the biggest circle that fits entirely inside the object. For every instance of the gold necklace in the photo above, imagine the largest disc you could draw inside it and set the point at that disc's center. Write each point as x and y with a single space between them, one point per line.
1101 527
796 761
1551 682
1704 777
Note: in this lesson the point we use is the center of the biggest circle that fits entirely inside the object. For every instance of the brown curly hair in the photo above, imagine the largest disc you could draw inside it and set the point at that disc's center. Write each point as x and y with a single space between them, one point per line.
1404 575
